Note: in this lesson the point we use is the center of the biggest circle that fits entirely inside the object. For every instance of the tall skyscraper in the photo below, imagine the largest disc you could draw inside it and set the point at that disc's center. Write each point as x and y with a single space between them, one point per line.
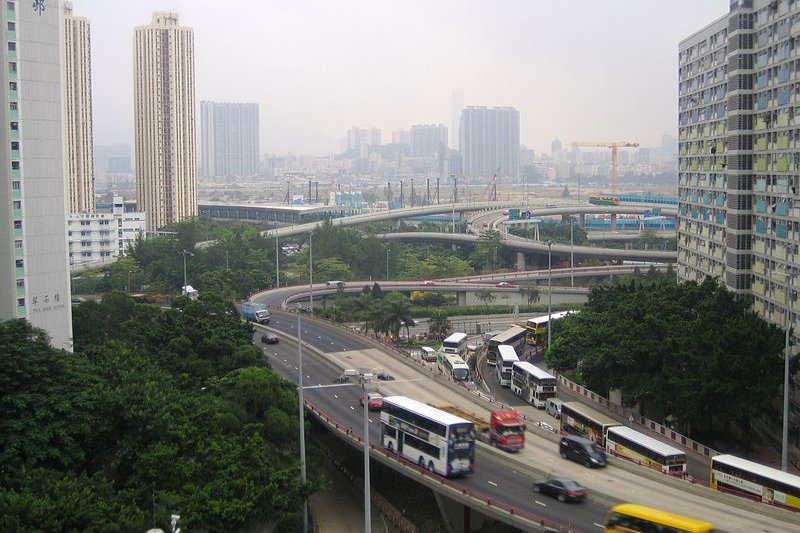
164 114
738 143
34 271
428 140
490 141
78 140
401 136
456 108
229 139
358 138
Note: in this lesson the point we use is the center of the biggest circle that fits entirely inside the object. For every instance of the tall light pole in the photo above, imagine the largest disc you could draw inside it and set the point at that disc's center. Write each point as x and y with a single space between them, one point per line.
787 355
130 290
387 262
310 275
184 253
549 293
365 378
277 257
571 253
302 419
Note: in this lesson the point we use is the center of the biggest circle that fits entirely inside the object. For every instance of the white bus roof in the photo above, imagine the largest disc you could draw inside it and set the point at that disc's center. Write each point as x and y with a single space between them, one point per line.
645 440
428 349
454 359
533 370
456 338
544 319
759 469
590 413
510 333
507 353
427 411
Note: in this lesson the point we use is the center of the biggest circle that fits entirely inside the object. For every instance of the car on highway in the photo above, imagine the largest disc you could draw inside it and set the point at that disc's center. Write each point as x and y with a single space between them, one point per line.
562 488
581 451
428 283
269 338
504 284
374 401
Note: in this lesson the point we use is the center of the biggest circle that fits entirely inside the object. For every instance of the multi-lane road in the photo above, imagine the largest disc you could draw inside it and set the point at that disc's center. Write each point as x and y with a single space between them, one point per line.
506 478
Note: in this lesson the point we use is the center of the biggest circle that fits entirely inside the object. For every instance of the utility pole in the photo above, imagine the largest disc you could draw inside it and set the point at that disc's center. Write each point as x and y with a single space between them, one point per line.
454 201
310 275
277 257
549 294
184 253
302 419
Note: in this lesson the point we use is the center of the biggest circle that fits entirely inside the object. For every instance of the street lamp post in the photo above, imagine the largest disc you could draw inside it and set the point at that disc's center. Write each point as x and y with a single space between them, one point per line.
455 189
365 378
571 253
387 262
184 253
549 293
310 275
277 257
302 419
130 289
787 355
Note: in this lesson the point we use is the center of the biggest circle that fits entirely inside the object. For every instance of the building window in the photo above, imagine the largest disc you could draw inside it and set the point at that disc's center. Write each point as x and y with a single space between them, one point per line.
12 46
17 224
15 185
12 66
15 145
15 165
13 106
12 86
15 126
20 263
21 302
18 244
10 6
12 26
20 283
17 204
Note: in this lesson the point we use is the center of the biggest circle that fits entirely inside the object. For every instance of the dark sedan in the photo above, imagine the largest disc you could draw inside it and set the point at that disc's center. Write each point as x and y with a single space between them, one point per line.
565 489
269 338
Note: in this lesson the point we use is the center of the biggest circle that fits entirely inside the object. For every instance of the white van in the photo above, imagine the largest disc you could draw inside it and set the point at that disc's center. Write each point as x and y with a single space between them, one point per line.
428 354
334 283
553 408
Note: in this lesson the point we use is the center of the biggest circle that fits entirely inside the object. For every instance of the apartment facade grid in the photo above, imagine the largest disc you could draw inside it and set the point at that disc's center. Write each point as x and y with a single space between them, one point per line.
229 139
739 145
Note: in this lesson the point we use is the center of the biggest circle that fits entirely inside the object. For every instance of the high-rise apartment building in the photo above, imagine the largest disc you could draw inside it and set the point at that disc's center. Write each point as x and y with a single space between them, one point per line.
34 273
164 121
429 140
490 141
401 136
78 140
229 139
739 138
358 138
456 108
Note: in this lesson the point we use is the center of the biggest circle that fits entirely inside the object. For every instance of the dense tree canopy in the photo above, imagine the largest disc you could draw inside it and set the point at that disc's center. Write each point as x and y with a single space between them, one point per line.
157 411
692 350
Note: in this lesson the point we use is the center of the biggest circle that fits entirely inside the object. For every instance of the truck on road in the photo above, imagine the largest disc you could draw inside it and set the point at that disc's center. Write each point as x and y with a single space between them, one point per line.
505 429
255 312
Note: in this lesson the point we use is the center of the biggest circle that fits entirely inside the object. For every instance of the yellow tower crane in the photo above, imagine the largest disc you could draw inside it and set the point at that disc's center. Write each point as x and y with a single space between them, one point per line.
614 145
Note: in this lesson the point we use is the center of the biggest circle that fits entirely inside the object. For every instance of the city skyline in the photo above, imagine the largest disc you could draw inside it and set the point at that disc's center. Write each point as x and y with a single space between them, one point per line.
398 65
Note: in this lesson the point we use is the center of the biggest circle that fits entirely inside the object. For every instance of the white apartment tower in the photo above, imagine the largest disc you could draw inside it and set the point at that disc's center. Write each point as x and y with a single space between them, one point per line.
164 115
78 143
490 141
34 273
229 139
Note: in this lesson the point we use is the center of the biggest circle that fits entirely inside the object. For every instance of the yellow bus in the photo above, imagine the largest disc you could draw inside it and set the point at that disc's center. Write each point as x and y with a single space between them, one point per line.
633 518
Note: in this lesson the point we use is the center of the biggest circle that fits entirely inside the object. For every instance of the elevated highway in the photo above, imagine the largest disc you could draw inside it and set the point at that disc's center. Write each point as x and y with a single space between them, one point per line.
500 486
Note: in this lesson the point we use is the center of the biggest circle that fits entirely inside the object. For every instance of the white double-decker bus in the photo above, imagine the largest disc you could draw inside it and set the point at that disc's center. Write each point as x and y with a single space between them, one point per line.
645 450
453 366
532 384
434 439
507 356
455 343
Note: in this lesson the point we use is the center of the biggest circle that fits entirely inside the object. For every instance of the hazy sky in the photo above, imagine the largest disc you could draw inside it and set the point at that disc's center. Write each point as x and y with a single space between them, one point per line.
575 69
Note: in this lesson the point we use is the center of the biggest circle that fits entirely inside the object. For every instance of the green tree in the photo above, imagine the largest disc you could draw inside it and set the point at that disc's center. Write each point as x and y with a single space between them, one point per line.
438 325
391 313
485 295
530 293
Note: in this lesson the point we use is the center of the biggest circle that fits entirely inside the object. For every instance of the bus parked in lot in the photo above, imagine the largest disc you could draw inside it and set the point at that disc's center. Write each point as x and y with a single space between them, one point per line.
513 336
645 450
632 518
734 474
532 384
434 439
453 366
507 358
455 343
583 421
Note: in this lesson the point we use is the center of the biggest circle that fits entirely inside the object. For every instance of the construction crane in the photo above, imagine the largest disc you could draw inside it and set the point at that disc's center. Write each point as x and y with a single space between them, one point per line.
614 145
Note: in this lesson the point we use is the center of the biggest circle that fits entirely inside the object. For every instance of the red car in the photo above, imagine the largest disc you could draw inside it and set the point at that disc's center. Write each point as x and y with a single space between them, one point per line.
374 401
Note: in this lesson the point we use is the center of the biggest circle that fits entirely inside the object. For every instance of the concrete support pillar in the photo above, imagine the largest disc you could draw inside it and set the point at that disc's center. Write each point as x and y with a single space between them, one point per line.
521 266
582 222
613 222
565 218
396 224
458 517
461 296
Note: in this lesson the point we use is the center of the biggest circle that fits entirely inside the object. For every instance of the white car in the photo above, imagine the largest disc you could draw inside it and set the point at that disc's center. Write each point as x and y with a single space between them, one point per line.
428 283
504 284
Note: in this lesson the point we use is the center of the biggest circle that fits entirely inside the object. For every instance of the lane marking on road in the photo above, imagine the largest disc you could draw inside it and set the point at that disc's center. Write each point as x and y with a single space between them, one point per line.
537 502
492 483
598 525
352 408
337 397
309 377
